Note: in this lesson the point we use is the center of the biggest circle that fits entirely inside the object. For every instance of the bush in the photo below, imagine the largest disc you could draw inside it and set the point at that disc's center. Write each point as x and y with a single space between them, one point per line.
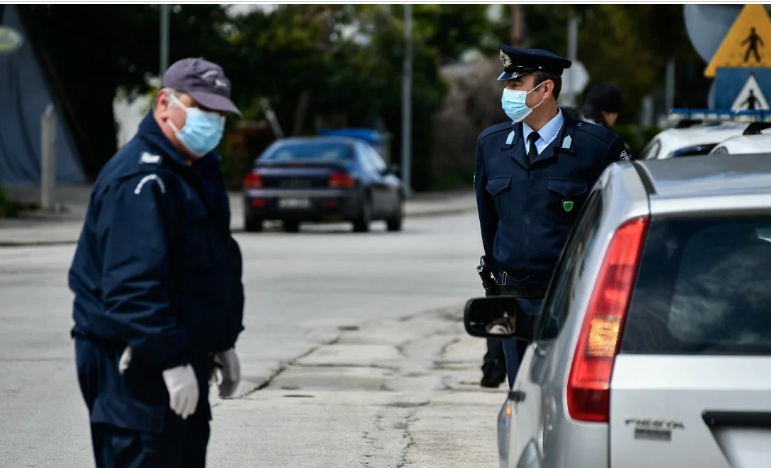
7 207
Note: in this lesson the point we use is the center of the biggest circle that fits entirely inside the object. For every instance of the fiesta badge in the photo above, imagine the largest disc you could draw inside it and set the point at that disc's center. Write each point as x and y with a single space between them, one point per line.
568 205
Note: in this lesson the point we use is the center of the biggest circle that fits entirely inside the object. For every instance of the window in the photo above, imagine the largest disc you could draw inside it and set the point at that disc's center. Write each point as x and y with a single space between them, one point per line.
651 150
696 150
704 287
372 160
309 152
570 269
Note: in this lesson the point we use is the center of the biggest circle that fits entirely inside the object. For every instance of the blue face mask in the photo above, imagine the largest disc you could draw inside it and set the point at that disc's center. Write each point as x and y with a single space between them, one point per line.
513 103
202 131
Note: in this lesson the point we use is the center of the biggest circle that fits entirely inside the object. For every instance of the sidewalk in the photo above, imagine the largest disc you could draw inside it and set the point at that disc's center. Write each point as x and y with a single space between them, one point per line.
63 225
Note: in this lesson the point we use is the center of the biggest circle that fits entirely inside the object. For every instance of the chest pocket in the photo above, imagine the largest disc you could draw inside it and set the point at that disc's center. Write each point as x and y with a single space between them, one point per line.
499 188
198 240
567 195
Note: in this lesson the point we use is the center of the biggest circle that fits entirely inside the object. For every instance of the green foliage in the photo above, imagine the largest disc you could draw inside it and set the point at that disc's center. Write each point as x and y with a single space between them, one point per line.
334 65
7 207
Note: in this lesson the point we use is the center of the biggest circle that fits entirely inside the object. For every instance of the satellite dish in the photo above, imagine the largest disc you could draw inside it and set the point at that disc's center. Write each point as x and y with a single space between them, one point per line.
10 39
707 25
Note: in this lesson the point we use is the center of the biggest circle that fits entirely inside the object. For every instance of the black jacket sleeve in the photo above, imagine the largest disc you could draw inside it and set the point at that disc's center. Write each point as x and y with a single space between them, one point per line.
136 217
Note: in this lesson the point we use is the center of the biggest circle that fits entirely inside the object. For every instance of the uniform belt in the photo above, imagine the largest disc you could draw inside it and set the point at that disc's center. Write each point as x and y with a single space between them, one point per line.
509 286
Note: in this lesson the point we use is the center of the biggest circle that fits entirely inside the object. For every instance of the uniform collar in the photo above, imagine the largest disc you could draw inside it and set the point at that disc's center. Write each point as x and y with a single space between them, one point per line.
150 133
548 132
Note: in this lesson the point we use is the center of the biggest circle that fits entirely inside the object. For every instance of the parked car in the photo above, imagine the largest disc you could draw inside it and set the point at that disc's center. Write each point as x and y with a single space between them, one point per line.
690 139
322 179
752 140
653 344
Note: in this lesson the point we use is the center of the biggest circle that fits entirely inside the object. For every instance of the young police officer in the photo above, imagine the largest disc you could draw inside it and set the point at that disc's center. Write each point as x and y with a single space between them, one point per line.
156 277
532 176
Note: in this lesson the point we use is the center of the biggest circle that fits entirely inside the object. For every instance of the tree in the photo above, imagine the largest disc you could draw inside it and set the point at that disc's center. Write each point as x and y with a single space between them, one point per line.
89 50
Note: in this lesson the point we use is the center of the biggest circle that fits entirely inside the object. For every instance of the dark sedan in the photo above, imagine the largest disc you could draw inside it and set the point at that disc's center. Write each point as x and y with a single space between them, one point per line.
322 179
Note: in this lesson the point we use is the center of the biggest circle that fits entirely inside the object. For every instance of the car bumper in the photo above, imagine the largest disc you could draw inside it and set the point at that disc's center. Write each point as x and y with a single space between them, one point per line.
302 205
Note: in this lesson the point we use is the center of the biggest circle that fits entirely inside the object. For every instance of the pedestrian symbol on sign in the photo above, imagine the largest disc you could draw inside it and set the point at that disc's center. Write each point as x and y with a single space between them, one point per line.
753 40
751 101
750 97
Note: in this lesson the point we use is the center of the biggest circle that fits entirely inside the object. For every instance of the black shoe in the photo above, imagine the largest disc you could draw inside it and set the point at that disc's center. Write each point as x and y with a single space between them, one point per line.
492 380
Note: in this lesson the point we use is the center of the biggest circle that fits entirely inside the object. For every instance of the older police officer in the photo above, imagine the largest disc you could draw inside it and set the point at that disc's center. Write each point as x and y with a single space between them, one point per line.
156 277
532 176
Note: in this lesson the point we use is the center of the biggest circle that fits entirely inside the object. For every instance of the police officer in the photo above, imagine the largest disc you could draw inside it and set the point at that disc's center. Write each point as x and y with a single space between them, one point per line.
532 176
156 276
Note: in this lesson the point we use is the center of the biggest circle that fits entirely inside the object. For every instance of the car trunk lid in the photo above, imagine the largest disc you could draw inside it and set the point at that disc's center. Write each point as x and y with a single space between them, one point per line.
707 411
298 175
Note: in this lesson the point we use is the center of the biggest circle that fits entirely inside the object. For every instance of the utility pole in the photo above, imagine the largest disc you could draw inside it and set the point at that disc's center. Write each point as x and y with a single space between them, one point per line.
407 102
517 29
164 37
569 97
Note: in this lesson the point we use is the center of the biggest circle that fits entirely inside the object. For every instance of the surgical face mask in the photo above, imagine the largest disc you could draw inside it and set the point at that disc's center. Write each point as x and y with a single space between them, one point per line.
202 131
513 103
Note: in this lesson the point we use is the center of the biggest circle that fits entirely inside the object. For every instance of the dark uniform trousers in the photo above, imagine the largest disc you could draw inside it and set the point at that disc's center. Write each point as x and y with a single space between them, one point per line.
132 425
514 350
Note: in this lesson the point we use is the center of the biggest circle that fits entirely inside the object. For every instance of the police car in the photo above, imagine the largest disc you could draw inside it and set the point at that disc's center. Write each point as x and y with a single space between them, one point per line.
690 138
756 138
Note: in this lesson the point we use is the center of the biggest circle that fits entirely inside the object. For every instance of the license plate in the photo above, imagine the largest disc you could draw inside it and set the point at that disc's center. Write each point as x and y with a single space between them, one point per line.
295 203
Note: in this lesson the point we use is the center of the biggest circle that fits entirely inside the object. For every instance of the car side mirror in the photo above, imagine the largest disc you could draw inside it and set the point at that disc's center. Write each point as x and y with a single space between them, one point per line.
497 317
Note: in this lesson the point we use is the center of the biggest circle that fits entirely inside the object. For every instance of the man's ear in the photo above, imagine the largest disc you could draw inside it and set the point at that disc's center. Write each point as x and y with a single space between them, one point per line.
162 103
548 88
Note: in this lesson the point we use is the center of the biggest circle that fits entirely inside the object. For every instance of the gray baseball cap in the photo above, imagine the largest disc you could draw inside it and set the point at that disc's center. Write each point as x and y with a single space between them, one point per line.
204 81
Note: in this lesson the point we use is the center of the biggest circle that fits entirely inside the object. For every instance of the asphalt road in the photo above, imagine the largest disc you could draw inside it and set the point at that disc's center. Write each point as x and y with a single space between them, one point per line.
353 353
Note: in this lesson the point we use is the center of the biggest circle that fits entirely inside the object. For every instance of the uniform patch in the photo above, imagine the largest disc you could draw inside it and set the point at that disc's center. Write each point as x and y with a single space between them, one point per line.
568 205
567 142
147 179
623 156
148 158
510 138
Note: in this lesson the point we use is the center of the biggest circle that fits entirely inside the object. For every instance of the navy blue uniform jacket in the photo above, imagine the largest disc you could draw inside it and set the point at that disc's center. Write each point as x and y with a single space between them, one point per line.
155 266
526 210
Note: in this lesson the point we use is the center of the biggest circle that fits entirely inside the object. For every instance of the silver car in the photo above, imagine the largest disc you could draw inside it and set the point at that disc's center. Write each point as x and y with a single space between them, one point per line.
653 344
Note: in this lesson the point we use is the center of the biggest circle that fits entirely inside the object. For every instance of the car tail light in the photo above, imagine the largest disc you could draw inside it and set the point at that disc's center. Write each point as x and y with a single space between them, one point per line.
340 180
588 390
252 180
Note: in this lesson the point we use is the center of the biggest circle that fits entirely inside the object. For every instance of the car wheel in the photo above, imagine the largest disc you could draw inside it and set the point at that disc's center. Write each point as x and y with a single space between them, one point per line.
361 223
252 224
394 223
291 226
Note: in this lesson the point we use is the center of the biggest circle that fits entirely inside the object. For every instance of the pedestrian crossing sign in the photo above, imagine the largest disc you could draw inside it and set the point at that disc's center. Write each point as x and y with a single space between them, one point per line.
750 97
747 44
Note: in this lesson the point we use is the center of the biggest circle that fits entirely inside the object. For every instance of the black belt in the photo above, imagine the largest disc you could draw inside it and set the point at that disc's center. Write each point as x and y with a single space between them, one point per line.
526 287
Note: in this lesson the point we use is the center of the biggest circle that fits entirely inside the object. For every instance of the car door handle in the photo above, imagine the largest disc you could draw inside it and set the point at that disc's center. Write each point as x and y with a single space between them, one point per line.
516 396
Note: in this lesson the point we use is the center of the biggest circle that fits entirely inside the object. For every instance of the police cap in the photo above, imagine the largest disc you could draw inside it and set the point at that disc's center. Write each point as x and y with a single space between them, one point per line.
520 62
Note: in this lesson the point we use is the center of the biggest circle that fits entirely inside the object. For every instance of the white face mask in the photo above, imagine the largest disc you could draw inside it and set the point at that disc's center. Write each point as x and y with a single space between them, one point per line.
514 103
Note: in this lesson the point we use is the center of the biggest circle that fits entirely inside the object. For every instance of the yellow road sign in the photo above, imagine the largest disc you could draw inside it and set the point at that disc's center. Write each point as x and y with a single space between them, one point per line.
747 44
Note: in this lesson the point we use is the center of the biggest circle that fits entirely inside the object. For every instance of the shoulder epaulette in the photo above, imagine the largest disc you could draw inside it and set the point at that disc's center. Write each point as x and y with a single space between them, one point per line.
501 127
147 158
595 130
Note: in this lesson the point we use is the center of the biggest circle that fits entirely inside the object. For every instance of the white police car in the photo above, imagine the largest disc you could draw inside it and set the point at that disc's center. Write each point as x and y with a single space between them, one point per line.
756 138
690 139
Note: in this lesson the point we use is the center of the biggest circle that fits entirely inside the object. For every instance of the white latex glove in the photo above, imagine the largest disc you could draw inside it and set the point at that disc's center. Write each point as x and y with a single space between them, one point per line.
230 369
125 360
183 389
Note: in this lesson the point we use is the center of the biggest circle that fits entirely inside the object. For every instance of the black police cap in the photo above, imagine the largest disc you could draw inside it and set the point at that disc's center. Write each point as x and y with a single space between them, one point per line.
520 62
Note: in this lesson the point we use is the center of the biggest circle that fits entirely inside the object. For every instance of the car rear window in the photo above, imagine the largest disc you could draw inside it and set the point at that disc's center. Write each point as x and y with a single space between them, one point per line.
703 287
310 152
